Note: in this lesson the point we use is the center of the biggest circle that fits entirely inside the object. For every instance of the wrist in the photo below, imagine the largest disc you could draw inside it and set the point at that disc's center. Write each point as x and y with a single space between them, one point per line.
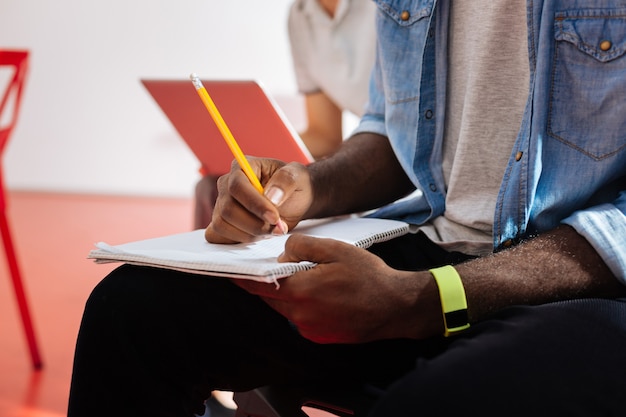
319 189
453 299
418 306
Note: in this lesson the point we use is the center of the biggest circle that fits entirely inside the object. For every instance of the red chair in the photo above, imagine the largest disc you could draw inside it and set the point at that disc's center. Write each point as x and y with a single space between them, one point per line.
18 62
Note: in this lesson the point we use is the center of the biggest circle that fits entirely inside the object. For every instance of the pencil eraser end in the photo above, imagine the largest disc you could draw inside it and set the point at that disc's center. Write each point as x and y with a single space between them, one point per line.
195 80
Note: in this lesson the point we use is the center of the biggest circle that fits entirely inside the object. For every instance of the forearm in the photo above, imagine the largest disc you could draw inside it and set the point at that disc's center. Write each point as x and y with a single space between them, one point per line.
323 135
554 266
364 174
319 144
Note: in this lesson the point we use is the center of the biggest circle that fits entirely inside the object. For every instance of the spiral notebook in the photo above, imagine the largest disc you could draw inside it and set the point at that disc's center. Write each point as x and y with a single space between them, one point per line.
190 252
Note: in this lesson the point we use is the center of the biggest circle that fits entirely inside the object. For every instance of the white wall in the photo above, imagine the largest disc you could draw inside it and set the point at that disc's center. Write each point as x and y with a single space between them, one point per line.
87 124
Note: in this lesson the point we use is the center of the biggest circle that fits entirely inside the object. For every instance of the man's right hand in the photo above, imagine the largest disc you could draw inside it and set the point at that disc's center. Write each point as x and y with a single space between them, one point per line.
241 214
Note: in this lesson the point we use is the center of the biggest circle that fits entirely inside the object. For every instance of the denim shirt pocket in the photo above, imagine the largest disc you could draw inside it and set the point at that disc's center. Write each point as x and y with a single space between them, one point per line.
402 25
588 86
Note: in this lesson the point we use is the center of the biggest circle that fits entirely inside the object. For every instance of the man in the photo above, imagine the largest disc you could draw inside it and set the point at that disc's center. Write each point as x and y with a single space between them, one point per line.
508 116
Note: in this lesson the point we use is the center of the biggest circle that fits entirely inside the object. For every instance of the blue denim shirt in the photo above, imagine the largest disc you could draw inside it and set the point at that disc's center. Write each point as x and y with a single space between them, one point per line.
568 164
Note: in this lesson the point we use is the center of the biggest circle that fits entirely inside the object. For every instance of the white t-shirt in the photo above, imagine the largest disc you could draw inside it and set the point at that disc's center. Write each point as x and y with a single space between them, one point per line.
334 55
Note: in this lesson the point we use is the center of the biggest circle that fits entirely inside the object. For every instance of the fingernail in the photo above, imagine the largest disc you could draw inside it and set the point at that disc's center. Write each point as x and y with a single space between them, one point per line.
281 228
275 195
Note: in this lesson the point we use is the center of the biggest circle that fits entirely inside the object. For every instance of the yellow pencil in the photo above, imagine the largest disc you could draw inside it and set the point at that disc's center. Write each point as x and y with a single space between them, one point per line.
226 133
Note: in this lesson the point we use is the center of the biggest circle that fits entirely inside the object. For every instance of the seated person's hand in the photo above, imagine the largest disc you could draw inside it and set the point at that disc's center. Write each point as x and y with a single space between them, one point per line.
242 214
351 295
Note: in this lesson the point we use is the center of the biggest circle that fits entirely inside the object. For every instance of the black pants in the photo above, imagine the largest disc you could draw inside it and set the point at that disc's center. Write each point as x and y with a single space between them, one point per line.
156 342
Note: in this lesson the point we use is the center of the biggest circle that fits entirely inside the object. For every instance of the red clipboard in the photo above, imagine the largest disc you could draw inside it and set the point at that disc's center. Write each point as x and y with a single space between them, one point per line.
256 122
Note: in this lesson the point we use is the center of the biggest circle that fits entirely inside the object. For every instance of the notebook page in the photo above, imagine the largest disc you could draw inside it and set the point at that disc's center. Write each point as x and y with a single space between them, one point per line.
257 260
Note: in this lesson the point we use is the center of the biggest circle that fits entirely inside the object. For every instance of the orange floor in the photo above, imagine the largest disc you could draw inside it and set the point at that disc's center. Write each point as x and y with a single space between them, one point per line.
53 233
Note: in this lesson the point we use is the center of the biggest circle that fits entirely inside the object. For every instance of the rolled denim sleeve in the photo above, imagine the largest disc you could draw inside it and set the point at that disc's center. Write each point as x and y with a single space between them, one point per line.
604 226
373 121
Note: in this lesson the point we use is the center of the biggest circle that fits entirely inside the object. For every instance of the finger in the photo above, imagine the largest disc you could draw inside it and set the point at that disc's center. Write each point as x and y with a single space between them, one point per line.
278 298
263 289
242 190
291 309
288 178
259 205
222 232
289 189
236 223
232 221
308 248
223 228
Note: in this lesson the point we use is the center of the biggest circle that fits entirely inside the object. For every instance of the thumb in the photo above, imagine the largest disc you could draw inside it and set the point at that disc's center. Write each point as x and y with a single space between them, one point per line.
313 249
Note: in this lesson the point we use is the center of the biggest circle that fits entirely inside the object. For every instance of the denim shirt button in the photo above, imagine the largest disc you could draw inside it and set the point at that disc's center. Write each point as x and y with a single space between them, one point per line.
432 187
428 115
405 15
507 243
518 156
605 45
